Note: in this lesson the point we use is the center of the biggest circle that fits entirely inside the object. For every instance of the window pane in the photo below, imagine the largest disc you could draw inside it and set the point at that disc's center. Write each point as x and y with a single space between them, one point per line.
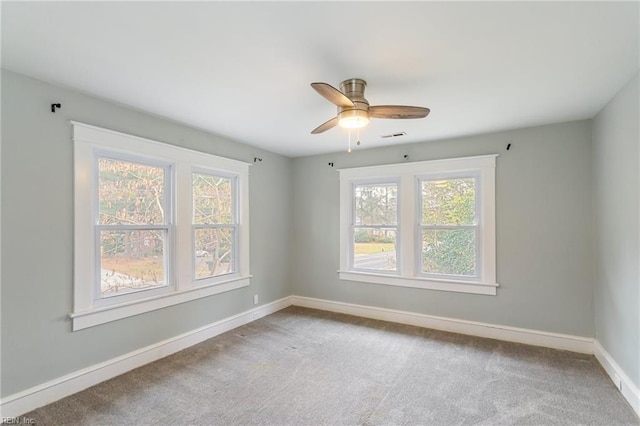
214 252
131 261
375 249
130 193
449 201
212 199
376 204
449 252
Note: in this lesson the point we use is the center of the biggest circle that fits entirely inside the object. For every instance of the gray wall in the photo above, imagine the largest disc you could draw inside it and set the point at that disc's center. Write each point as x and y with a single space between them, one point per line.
617 196
37 234
544 230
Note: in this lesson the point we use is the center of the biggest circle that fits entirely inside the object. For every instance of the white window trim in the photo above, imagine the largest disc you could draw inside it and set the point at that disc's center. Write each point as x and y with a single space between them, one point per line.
408 271
89 140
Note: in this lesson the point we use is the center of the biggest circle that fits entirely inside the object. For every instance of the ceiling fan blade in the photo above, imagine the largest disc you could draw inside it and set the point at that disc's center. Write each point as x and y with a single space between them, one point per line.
332 94
398 111
325 126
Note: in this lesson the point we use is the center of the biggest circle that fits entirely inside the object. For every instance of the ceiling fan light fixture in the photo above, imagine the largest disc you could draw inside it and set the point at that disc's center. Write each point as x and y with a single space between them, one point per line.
354 110
353 118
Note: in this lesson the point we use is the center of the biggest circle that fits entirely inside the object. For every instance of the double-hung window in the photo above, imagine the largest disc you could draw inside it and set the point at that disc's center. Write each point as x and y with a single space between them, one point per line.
449 229
428 224
155 225
214 225
375 226
133 227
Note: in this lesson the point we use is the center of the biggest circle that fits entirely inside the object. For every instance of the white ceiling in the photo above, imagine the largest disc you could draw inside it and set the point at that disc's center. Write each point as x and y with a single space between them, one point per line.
242 70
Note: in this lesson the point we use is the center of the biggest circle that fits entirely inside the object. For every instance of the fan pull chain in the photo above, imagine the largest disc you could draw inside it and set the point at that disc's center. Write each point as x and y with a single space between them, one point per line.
358 143
349 150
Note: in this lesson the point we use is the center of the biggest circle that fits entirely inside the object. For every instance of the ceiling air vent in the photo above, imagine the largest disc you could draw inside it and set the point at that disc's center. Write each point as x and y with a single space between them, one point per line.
394 135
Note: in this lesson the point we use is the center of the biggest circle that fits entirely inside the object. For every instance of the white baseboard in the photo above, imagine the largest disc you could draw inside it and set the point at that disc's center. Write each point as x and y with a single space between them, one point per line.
37 396
618 376
473 328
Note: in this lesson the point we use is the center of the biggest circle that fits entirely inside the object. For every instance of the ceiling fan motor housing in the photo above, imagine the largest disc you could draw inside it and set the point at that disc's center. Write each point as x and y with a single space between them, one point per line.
354 90
358 115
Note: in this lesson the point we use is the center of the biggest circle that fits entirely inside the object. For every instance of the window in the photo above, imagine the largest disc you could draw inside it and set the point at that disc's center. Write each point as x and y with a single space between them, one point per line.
155 225
214 225
133 226
375 227
448 231
427 224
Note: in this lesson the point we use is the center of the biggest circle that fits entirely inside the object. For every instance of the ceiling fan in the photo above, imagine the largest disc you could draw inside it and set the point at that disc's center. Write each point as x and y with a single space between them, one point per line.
354 111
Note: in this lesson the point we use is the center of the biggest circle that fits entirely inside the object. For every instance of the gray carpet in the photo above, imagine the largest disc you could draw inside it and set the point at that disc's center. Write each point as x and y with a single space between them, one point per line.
307 367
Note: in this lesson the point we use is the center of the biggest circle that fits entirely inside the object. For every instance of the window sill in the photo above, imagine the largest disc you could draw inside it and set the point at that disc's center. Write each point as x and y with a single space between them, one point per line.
106 314
420 282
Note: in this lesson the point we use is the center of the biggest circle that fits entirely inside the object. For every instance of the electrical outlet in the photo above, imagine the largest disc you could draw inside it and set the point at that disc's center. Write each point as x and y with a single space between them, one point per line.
617 381
255 299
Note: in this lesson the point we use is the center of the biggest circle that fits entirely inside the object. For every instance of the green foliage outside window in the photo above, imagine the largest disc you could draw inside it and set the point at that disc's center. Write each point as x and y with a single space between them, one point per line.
448 220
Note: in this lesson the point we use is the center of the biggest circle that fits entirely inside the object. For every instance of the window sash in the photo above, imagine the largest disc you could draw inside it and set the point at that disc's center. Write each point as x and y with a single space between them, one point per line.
477 250
234 194
352 265
370 183
168 188
99 298
234 255
448 176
